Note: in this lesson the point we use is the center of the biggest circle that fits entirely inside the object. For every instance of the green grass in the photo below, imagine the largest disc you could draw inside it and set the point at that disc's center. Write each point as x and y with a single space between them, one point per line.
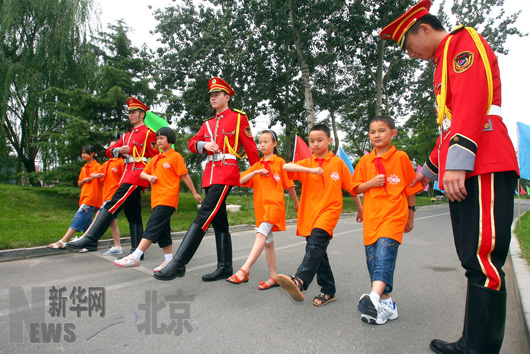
32 216
522 230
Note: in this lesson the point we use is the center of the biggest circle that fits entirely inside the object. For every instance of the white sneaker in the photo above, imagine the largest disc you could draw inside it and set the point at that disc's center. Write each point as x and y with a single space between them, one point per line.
128 261
113 251
368 306
386 312
160 267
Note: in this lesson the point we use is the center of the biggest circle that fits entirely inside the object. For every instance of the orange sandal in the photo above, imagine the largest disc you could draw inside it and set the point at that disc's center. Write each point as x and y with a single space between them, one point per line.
235 280
265 286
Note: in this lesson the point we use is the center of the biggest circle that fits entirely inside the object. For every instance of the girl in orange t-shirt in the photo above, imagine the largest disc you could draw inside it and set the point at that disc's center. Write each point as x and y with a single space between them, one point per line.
90 199
268 179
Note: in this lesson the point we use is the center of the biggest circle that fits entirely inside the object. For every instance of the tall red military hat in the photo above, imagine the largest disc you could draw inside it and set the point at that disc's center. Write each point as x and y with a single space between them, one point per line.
217 84
134 103
399 27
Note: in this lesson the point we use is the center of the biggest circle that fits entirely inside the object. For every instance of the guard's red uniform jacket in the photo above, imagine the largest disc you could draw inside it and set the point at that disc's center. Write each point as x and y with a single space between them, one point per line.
474 139
222 168
142 143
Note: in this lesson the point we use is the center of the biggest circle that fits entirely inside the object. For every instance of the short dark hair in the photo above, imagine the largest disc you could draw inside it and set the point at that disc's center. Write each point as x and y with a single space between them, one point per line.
385 119
322 128
89 149
168 133
429 19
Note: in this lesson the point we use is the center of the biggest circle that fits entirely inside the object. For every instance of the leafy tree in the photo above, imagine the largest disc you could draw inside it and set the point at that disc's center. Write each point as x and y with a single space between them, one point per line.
41 44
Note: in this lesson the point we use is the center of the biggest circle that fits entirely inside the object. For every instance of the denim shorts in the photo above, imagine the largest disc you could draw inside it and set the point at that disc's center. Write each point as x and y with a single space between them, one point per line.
381 261
82 218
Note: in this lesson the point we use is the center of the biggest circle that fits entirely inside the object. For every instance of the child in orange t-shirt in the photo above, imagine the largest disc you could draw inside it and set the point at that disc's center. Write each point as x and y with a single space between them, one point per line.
323 177
90 199
110 174
384 176
268 180
164 172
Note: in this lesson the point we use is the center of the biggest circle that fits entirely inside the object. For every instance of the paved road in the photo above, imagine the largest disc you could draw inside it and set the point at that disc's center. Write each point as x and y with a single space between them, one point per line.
223 318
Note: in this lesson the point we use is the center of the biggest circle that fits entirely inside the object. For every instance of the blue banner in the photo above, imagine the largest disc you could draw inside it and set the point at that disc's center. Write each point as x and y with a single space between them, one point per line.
523 133
346 160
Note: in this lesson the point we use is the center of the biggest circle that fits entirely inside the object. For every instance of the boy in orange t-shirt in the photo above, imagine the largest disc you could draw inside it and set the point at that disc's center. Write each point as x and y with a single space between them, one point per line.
89 200
323 177
164 172
384 176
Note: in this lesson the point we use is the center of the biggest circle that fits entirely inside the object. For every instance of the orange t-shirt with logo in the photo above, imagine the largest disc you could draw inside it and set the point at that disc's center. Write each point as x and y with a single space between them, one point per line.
321 199
91 192
385 211
168 167
112 170
269 203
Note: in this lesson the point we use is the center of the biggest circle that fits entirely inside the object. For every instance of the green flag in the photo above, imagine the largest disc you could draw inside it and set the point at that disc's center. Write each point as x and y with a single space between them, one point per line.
154 122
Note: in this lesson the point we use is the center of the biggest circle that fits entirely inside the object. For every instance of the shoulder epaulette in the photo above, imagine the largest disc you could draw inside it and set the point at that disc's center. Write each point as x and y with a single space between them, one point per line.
151 129
238 111
204 120
458 29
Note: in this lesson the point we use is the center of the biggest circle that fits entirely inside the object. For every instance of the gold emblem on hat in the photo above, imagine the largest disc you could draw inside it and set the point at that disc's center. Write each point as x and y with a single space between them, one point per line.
214 81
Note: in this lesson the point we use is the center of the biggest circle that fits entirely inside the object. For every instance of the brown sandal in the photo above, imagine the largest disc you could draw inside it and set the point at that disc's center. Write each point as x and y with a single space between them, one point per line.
323 300
293 285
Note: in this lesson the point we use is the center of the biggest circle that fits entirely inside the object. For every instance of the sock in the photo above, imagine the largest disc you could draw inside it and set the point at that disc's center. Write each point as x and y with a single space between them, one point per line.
168 256
137 254
375 296
388 302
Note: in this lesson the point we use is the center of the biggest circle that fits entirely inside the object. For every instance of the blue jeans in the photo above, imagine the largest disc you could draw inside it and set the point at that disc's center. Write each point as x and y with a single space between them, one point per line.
381 261
82 218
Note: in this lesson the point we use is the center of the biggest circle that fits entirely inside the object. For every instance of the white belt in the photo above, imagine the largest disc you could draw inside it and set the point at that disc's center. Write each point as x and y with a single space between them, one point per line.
219 157
130 159
494 111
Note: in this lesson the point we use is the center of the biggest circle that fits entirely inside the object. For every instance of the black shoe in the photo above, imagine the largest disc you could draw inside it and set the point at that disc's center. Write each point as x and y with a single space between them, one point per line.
218 274
441 347
177 267
174 269
486 319
91 237
223 241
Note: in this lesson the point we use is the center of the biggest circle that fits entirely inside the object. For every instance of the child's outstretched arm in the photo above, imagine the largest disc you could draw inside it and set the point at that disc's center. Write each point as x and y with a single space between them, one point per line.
252 174
292 167
187 180
150 178
377 181
357 201
411 201
292 192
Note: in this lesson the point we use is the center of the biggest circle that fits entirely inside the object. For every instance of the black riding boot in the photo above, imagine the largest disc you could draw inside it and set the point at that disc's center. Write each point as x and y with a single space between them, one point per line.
442 347
137 231
486 318
177 267
224 269
91 237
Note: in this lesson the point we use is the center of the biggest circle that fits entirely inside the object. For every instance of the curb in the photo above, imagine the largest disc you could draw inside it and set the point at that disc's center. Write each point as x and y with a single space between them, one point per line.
43 251
521 272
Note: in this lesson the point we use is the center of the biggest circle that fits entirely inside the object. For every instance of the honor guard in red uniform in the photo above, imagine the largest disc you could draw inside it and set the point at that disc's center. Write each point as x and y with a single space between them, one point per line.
473 160
220 138
135 147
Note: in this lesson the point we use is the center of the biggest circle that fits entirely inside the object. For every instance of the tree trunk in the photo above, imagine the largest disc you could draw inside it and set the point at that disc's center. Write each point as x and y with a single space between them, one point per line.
379 78
304 66
332 109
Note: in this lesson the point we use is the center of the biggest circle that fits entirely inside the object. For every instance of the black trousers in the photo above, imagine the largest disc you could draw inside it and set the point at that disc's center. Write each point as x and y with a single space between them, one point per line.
158 228
127 197
482 227
213 209
316 262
